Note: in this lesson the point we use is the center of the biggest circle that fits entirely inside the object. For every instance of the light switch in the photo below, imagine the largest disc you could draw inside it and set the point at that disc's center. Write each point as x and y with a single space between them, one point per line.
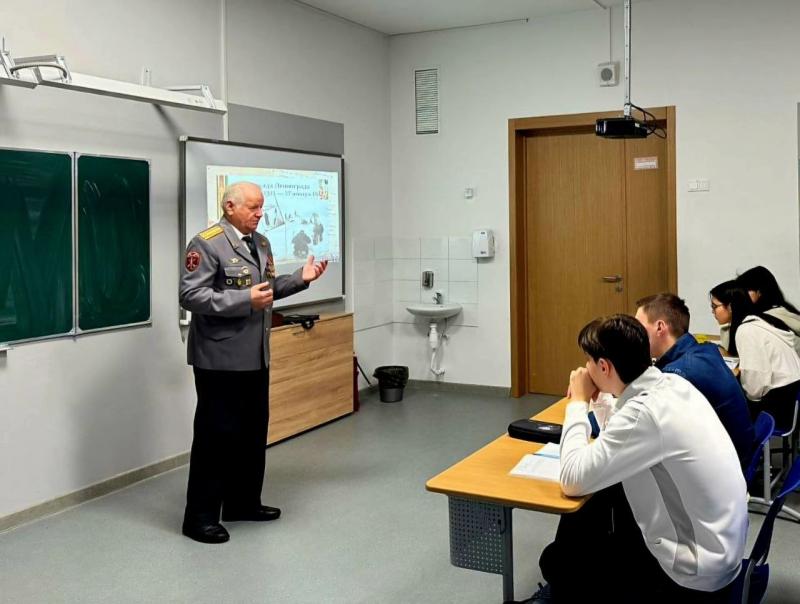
699 184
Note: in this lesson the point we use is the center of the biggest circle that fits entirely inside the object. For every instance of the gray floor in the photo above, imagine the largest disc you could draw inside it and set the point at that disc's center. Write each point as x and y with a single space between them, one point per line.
358 525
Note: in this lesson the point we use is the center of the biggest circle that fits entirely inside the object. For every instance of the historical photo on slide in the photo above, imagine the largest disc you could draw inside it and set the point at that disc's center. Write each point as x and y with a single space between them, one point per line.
301 209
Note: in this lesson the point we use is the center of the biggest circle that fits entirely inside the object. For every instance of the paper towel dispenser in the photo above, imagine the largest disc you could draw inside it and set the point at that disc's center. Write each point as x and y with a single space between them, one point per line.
483 243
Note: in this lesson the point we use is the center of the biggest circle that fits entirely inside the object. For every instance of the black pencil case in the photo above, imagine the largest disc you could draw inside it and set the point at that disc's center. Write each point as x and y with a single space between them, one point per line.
530 429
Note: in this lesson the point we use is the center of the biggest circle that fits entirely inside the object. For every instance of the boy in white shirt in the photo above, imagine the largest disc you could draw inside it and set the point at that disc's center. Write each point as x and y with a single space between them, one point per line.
668 520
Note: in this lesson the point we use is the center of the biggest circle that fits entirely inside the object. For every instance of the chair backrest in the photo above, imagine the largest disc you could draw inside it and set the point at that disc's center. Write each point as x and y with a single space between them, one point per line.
787 430
755 570
761 546
763 429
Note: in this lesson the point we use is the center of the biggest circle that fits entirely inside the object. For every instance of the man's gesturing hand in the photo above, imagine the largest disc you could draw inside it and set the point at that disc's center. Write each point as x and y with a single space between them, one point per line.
312 271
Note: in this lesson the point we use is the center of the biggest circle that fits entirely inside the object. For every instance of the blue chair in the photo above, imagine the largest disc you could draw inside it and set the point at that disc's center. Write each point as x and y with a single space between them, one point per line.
751 583
764 427
769 483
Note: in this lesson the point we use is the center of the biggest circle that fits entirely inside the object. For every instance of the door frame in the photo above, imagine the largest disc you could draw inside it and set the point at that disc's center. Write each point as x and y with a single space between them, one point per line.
518 130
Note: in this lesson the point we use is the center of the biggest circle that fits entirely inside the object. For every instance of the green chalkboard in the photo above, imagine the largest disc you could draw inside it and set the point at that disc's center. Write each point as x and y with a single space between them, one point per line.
113 241
35 244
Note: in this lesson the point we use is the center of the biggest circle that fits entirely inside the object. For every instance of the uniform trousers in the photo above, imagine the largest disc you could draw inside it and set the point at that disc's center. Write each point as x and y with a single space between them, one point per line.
226 467
599 552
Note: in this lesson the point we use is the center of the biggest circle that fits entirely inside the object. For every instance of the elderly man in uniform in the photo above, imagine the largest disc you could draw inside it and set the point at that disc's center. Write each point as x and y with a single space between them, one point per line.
228 283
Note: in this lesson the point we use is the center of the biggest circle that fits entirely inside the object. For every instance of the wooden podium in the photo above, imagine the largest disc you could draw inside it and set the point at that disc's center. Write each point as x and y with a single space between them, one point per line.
311 375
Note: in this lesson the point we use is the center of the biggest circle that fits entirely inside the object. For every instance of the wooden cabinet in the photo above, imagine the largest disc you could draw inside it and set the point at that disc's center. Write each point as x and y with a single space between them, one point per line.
311 375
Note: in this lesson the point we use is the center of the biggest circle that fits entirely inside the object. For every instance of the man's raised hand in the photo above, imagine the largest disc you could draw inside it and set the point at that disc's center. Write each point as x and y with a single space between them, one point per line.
311 271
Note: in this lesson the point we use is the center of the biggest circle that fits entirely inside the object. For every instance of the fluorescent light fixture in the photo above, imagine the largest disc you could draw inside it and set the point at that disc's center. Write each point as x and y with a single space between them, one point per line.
136 92
7 74
52 70
12 81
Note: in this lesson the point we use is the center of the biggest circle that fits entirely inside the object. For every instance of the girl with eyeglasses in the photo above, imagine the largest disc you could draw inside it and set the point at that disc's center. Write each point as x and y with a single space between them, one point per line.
768 363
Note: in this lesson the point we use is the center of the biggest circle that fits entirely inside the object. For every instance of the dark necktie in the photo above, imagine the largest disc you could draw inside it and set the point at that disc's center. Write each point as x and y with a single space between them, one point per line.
252 246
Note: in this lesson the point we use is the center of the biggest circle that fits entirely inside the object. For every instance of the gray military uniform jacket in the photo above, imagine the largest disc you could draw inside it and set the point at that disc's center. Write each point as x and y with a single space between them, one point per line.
226 333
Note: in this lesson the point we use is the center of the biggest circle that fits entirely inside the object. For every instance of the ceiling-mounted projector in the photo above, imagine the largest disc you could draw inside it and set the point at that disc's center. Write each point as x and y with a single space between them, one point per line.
621 127
627 126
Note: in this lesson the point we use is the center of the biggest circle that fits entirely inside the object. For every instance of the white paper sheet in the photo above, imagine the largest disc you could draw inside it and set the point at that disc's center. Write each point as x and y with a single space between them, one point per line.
542 465
731 362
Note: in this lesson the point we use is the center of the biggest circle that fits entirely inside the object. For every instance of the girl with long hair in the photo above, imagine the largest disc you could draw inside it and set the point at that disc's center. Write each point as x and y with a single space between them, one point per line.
768 297
768 363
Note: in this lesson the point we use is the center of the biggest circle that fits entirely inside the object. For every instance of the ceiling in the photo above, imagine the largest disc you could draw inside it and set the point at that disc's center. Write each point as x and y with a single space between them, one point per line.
393 17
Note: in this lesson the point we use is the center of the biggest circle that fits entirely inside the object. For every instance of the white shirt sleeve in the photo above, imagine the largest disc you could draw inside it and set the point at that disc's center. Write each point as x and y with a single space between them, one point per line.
603 408
630 443
754 364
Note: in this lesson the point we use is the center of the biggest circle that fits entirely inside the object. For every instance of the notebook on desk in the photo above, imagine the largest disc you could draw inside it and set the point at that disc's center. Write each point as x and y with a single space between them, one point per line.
545 464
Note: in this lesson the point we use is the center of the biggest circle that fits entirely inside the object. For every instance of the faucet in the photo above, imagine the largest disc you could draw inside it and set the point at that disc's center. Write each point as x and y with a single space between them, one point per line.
438 298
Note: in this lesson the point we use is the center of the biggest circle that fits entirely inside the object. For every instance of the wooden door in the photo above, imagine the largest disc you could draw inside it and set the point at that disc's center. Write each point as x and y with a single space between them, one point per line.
648 218
575 233
583 209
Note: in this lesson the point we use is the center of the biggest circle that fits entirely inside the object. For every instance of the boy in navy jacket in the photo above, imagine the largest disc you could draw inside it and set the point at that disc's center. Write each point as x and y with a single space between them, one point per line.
666 319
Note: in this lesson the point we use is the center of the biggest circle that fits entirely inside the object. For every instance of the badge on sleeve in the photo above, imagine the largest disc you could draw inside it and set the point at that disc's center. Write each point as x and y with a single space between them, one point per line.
192 261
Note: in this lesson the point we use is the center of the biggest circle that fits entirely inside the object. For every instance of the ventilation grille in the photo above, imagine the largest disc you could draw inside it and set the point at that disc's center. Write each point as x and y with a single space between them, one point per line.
426 95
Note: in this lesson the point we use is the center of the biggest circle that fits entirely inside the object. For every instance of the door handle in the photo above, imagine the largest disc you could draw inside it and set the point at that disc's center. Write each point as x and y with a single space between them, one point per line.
612 278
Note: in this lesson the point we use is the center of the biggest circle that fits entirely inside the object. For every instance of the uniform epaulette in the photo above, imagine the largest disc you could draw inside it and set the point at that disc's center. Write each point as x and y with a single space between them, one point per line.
211 232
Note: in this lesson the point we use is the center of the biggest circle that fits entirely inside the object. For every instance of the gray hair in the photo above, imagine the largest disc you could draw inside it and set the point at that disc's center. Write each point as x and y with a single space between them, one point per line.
235 193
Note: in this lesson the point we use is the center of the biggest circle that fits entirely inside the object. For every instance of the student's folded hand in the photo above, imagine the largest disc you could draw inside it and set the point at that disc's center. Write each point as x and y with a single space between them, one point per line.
581 386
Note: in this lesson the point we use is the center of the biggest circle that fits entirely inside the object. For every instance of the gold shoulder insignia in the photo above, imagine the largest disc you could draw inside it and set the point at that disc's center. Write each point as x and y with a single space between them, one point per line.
211 232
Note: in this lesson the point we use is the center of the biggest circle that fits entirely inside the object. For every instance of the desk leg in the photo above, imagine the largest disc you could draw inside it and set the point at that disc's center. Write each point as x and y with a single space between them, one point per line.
508 557
481 538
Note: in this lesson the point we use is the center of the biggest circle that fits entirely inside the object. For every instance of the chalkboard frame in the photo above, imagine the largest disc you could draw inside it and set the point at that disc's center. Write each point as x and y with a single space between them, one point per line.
76 241
75 330
71 332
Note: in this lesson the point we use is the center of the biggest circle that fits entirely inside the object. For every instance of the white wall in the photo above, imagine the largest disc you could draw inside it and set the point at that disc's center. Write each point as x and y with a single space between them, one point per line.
727 65
73 413
294 59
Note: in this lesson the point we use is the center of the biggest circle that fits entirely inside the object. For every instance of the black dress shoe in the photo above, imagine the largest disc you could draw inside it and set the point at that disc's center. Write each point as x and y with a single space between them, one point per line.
206 533
263 513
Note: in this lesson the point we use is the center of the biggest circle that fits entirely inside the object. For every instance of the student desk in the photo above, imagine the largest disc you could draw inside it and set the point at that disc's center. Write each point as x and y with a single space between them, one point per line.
481 496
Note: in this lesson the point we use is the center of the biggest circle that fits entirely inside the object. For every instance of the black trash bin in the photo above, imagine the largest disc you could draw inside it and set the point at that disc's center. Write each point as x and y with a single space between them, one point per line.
392 379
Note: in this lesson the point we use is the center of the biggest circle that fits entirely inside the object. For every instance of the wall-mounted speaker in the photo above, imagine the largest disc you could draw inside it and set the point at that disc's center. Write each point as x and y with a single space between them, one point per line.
608 74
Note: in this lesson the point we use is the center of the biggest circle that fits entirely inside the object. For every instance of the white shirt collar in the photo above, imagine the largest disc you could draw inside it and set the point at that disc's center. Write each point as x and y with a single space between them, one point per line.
239 234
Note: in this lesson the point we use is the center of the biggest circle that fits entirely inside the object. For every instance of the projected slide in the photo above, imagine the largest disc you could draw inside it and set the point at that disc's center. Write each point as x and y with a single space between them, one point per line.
301 209
303 205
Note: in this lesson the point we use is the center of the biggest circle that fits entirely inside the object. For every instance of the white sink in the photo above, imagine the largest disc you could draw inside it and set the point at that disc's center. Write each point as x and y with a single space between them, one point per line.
434 311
